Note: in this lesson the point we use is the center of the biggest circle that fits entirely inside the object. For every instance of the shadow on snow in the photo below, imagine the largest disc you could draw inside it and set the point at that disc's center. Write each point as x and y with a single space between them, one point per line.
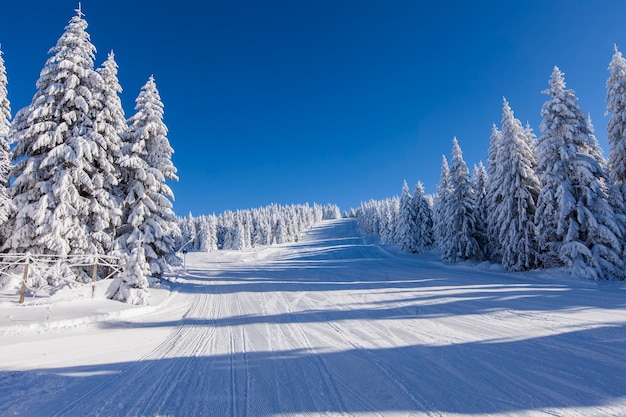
577 368
471 378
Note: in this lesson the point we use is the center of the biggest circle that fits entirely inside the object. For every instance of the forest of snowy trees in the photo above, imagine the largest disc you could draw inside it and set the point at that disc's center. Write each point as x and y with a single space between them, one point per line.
551 201
79 178
245 229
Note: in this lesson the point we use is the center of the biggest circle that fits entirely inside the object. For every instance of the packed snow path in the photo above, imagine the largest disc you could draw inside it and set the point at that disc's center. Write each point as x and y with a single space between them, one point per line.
335 325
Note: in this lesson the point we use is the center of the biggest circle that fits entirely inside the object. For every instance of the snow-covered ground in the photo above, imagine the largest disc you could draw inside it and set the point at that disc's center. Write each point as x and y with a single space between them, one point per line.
336 324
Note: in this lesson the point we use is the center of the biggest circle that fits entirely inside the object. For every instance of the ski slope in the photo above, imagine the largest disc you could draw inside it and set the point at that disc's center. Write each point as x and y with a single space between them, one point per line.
336 324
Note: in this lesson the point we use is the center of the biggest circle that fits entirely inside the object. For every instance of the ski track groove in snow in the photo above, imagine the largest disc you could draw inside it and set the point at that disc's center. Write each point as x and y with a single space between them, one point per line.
239 391
139 364
389 374
328 387
147 376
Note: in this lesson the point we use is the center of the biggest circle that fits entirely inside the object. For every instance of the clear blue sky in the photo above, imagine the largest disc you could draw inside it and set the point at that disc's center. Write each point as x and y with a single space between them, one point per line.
329 101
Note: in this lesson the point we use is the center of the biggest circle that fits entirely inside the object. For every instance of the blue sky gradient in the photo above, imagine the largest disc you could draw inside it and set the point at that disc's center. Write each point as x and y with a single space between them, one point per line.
327 101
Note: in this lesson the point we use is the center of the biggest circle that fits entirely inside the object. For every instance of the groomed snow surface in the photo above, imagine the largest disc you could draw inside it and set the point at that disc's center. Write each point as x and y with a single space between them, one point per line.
336 324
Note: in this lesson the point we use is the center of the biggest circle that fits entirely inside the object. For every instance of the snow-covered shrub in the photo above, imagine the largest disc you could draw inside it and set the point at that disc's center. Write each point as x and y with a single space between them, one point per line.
131 285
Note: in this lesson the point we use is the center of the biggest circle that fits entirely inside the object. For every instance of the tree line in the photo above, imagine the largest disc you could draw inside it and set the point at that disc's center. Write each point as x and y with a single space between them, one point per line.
546 201
245 229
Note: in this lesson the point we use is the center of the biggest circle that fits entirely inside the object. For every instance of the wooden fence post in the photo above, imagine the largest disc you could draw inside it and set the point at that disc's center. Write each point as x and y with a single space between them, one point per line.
94 274
23 292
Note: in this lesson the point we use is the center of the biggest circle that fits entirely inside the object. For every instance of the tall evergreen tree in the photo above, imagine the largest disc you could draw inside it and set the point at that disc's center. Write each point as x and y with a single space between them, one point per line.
147 216
53 169
389 214
461 212
405 224
480 182
575 220
494 197
616 109
206 233
494 142
109 124
515 189
441 227
423 225
5 126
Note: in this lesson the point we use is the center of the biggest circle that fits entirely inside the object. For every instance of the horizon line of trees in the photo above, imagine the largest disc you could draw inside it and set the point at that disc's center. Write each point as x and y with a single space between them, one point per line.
541 202
245 229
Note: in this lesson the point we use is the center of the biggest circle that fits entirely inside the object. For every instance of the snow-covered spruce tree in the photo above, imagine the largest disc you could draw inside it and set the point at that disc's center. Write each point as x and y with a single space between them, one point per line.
494 198
480 182
146 164
441 227
423 225
368 218
206 227
318 213
261 228
53 186
225 223
131 286
405 222
5 164
575 221
109 124
389 213
460 212
616 109
238 242
187 239
514 194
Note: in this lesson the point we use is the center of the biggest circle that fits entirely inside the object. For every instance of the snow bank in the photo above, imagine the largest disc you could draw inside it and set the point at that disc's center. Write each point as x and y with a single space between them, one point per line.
69 307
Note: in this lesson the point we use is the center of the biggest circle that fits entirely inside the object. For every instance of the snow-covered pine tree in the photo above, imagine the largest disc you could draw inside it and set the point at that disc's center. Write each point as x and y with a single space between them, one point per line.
109 124
53 168
225 223
5 126
259 229
441 227
389 212
616 109
246 221
238 242
188 232
405 222
494 197
206 238
146 164
423 225
514 193
280 232
368 219
131 286
461 212
480 182
575 220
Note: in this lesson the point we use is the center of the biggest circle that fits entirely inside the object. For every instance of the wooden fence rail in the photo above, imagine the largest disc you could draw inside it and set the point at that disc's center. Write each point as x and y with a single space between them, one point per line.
10 262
